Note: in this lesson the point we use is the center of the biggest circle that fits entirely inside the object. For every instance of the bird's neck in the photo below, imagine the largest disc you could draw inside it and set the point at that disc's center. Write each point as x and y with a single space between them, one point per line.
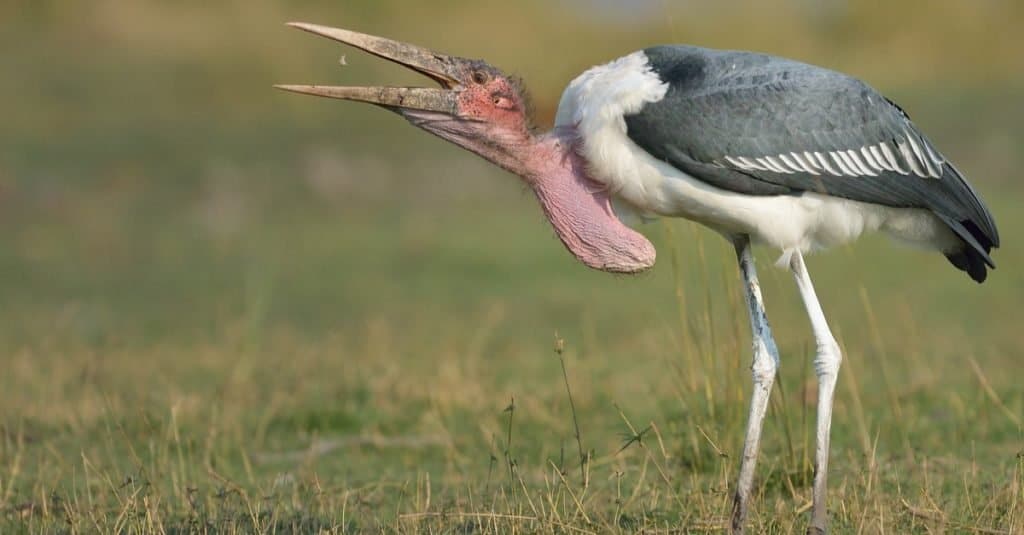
578 207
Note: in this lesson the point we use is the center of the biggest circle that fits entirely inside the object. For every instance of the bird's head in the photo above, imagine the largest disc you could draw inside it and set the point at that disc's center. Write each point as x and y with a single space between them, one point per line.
477 106
484 110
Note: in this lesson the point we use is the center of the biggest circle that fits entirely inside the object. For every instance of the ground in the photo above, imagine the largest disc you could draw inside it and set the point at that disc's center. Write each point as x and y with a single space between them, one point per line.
357 370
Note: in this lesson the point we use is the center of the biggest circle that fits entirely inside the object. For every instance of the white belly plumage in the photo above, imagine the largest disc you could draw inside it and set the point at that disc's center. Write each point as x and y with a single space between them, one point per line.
806 222
595 103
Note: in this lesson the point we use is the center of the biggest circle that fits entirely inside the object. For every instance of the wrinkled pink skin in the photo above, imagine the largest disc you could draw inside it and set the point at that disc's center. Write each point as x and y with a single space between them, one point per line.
492 123
580 210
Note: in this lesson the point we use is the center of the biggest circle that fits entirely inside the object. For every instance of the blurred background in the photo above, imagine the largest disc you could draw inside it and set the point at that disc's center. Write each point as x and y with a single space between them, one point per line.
150 180
175 235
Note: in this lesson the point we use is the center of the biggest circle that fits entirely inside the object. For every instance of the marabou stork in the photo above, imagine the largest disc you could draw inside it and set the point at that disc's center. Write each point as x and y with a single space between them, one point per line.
758 148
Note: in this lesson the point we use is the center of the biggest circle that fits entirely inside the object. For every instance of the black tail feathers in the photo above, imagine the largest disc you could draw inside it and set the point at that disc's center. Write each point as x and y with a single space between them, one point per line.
974 257
970 261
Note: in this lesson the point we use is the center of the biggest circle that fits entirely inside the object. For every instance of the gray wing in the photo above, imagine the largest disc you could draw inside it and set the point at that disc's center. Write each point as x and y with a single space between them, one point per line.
762 125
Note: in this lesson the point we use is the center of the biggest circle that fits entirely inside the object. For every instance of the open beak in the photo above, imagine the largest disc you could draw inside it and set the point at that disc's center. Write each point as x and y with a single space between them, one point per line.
445 70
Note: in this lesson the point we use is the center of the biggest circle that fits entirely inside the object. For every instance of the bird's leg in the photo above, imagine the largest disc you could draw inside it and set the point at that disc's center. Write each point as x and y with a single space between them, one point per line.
766 362
826 367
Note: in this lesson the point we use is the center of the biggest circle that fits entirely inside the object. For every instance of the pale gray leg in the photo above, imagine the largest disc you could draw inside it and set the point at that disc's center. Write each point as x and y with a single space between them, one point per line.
826 367
766 362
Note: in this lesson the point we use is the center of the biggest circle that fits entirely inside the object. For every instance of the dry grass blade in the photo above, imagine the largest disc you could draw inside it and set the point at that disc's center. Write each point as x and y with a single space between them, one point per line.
559 350
991 393
579 505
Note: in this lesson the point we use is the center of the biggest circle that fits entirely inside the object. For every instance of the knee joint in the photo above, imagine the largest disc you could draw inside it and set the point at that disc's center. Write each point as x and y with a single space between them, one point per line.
828 359
766 363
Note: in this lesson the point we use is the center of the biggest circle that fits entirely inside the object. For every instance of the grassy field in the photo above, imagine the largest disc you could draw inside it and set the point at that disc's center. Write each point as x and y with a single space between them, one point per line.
228 310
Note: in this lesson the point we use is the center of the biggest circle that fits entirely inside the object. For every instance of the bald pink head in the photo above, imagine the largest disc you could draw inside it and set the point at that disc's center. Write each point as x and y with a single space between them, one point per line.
484 111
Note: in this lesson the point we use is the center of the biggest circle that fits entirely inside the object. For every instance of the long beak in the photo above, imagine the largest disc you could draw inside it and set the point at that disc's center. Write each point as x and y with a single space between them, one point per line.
445 70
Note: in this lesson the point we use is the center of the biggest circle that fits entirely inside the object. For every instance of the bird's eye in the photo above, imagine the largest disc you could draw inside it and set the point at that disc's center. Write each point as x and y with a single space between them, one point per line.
502 101
480 77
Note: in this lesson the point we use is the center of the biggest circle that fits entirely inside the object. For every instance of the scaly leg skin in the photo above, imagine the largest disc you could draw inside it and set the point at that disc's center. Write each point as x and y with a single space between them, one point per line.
826 367
766 363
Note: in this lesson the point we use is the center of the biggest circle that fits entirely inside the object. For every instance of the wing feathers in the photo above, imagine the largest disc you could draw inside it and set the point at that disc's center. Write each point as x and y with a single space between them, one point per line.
761 125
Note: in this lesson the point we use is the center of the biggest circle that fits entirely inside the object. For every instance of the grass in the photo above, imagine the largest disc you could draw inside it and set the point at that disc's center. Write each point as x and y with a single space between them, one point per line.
228 310
403 372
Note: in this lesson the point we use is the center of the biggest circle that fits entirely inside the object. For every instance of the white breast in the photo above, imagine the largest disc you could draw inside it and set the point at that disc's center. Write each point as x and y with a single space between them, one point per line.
595 103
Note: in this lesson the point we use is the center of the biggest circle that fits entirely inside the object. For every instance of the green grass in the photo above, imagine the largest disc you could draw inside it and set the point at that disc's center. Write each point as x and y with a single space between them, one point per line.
307 367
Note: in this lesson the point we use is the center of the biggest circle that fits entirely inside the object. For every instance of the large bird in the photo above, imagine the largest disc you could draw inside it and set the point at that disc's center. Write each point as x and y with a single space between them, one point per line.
758 148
